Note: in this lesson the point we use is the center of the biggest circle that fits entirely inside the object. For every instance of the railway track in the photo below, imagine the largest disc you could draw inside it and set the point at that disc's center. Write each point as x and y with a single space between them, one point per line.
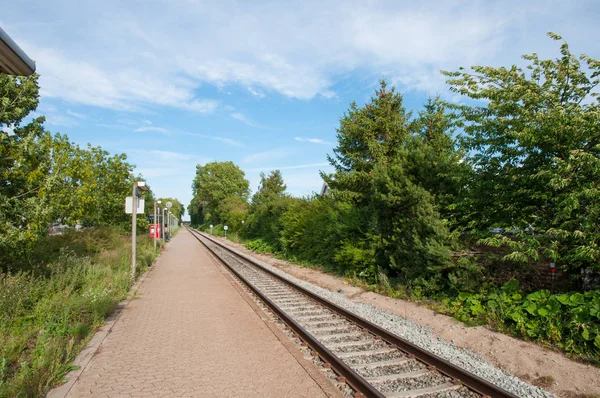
371 360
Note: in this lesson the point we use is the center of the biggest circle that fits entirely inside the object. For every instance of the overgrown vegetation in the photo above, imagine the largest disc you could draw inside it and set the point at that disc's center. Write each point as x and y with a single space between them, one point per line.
56 290
569 321
50 308
457 203
46 179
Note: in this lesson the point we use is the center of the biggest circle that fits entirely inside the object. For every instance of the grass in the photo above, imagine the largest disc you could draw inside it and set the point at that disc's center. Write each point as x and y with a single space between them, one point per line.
58 297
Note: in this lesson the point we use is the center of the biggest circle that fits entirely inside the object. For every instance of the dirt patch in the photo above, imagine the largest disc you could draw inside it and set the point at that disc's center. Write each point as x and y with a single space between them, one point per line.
530 361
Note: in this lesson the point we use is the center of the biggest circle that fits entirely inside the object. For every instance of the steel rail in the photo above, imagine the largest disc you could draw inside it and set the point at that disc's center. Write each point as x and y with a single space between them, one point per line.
351 377
467 378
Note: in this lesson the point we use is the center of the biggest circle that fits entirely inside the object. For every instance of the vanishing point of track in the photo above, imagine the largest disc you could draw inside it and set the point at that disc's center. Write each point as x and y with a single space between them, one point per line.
373 361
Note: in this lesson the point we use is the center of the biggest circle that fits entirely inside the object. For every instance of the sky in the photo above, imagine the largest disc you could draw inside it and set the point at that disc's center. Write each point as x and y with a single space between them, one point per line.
177 83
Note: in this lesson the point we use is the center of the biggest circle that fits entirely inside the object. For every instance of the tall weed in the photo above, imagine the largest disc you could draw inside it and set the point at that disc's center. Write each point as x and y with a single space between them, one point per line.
50 309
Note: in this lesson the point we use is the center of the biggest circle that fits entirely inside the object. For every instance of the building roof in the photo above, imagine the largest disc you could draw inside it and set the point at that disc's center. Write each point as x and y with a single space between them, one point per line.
13 60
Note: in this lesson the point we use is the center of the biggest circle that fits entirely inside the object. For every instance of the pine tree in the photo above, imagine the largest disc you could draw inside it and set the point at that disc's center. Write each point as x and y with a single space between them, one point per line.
375 170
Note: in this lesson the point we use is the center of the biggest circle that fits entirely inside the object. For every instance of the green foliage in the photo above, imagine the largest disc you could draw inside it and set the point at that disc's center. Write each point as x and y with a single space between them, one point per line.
434 159
268 205
357 260
46 179
20 96
219 187
177 207
535 152
25 164
89 185
570 321
314 230
47 313
259 246
394 170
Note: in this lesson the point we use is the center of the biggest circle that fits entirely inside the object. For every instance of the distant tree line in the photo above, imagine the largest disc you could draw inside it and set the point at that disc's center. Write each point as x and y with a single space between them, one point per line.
415 196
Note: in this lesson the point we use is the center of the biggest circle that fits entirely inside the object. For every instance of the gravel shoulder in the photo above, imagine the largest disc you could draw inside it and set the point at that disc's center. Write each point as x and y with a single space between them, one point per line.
528 361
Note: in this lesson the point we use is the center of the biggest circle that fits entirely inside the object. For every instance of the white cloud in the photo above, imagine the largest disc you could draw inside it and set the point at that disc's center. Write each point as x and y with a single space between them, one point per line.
201 106
242 118
313 140
76 115
225 140
290 48
256 93
54 119
89 82
258 157
152 128
169 132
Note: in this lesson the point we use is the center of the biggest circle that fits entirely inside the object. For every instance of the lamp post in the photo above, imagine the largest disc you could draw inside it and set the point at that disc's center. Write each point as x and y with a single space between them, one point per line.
162 224
155 220
137 186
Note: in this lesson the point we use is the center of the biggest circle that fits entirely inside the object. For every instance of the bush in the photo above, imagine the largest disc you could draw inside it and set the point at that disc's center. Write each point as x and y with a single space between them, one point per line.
47 313
259 246
570 321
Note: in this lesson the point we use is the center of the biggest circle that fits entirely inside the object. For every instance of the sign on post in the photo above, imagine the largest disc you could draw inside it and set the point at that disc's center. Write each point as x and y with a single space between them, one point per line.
129 205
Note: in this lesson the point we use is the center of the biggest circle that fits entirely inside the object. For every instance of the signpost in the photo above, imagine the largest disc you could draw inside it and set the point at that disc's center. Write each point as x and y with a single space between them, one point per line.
211 229
129 205
135 204
225 228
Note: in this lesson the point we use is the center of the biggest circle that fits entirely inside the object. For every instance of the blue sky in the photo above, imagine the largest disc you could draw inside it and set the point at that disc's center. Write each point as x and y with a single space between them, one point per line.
176 83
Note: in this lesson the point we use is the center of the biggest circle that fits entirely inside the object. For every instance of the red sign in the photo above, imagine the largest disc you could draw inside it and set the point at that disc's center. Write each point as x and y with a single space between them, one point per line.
155 227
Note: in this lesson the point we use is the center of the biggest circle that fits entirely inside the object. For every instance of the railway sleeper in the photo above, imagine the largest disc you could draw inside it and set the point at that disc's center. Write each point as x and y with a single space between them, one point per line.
432 391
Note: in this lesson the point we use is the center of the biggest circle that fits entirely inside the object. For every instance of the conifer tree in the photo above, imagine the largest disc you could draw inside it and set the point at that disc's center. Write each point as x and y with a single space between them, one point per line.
374 170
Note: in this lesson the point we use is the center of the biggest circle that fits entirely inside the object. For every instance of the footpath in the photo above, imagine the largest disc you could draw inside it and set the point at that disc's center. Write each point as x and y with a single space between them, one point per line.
189 332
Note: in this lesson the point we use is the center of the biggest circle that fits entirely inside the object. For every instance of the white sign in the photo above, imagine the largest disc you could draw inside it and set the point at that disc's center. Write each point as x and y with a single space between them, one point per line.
129 205
225 227
169 204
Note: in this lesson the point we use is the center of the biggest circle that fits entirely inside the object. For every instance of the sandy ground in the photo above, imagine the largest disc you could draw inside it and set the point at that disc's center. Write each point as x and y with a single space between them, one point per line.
529 361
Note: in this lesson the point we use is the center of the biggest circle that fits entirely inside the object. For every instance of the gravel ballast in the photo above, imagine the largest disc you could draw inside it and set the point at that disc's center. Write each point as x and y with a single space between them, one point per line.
418 335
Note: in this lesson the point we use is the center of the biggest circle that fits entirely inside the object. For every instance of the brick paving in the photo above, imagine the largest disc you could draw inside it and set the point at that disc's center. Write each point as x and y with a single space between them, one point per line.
189 333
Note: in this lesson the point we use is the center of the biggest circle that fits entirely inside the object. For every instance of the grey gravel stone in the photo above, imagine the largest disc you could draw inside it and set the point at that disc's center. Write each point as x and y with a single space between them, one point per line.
420 336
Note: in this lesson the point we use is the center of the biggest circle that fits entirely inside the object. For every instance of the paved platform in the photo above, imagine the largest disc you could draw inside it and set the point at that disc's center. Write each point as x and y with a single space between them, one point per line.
190 333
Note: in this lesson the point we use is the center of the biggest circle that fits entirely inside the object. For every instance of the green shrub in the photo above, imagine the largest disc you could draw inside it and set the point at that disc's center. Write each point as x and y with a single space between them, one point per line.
259 246
570 321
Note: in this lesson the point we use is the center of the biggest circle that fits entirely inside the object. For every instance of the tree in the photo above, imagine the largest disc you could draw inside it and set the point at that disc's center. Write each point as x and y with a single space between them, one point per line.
367 136
90 185
214 183
19 97
435 161
25 163
177 208
268 204
46 179
535 150
375 170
